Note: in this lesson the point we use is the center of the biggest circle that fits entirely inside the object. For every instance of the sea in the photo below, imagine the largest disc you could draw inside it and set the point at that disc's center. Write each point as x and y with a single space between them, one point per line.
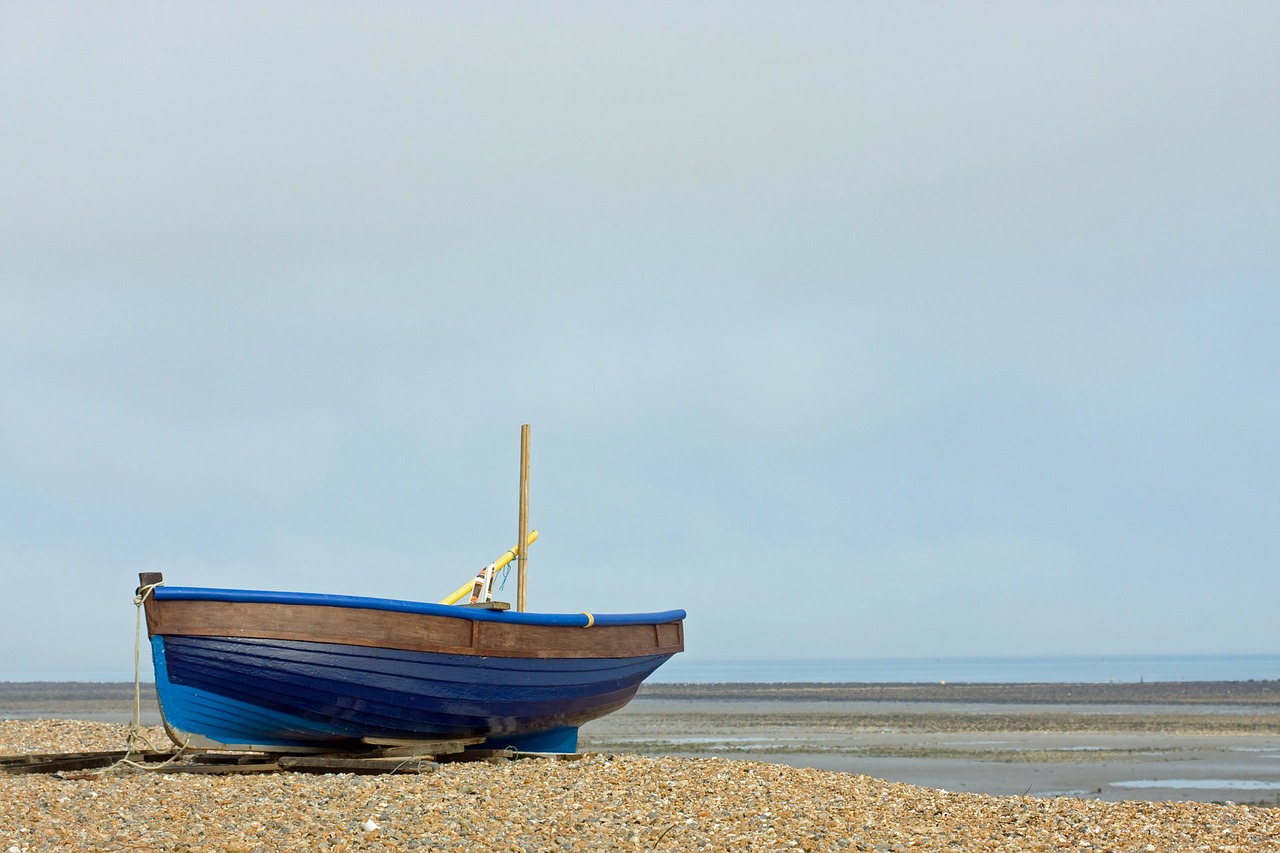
1086 669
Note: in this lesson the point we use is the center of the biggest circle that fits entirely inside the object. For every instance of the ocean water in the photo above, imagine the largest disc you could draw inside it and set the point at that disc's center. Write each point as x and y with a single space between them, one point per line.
976 670
102 675
981 670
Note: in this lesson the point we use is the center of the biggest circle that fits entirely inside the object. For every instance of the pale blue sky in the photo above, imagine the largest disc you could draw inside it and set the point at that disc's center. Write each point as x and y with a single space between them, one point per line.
857 330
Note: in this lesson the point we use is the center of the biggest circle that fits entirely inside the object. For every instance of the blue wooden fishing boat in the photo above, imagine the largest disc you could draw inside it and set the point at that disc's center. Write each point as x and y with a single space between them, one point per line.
282 671
292 671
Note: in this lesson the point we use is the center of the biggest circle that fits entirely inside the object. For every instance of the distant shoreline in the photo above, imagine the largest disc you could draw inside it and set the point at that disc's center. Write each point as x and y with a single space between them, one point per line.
95 696
1260 693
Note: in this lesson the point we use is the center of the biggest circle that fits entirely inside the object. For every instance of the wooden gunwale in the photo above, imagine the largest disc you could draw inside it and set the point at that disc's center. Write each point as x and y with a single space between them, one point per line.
418 632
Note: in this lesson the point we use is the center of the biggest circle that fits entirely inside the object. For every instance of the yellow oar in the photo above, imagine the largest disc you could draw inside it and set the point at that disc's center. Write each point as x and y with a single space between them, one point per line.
498 565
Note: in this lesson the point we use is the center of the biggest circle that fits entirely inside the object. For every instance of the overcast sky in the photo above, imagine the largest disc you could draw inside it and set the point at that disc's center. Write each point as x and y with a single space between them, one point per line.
855 329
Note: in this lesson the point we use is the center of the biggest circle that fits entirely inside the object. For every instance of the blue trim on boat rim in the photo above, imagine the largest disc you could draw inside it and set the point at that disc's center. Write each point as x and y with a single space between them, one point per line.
580 620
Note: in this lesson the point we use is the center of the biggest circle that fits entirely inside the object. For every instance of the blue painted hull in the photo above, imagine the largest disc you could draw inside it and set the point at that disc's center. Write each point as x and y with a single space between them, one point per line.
277 693
219 688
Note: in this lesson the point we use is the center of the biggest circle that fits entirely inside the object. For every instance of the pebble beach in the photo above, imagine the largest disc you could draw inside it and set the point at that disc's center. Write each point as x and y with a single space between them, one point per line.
599 802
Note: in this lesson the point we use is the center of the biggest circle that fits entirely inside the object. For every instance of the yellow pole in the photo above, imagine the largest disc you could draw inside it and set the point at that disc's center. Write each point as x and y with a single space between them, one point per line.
498 565
522 560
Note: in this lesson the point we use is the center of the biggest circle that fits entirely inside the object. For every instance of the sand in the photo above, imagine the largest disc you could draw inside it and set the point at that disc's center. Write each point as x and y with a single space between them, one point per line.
765 769
603 802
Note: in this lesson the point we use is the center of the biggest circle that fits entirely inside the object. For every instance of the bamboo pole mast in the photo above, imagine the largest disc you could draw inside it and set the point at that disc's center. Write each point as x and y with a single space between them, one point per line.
522 539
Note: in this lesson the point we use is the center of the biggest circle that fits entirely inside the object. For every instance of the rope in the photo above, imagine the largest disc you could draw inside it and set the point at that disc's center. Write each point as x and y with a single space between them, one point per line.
135 727
128 762
134 735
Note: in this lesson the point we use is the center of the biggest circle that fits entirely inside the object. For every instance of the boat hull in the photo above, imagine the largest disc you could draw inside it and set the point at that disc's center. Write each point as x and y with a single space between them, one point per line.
280 671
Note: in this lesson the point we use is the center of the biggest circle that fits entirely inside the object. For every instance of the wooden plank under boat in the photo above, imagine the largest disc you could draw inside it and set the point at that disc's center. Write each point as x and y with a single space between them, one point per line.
287 671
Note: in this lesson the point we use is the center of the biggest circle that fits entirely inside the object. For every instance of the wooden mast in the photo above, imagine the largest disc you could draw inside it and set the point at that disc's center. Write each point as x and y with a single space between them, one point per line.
522 540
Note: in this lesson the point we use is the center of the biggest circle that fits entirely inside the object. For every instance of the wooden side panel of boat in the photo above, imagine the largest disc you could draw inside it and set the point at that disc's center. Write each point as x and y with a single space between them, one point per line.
407 631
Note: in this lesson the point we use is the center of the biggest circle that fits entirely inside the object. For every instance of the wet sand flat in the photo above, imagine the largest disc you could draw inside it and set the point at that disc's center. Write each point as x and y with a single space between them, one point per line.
1196 742
1209 742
